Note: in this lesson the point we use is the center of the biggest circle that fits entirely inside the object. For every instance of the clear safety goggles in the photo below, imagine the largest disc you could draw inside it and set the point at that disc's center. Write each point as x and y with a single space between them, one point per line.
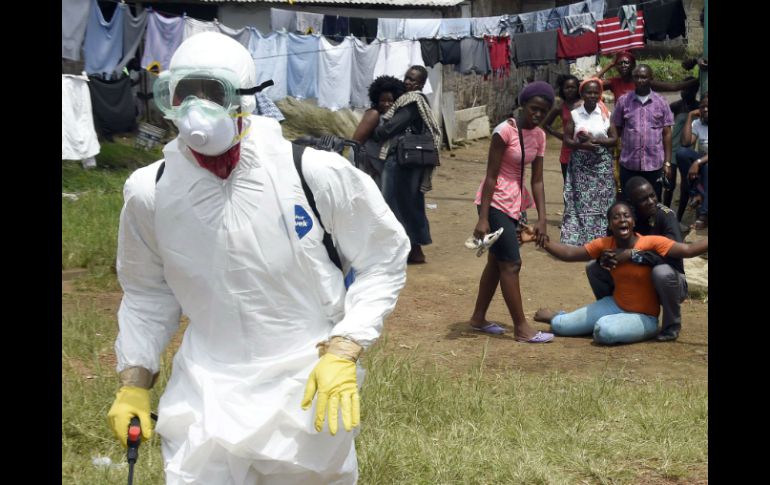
218 86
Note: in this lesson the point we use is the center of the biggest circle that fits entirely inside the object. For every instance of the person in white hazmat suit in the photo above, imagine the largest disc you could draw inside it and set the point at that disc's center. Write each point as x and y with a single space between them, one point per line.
227 237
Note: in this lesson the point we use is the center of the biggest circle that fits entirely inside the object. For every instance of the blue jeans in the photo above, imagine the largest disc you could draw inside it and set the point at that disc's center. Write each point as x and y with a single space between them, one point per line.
608 322
401 190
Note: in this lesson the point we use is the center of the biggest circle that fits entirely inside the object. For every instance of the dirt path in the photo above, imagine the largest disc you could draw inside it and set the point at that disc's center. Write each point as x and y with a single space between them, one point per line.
430 319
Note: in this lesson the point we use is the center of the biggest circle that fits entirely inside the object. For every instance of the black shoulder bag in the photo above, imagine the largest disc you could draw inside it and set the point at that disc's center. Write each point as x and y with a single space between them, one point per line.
415 150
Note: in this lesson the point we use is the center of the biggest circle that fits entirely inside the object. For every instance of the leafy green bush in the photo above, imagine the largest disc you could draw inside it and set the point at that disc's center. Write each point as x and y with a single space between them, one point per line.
668 69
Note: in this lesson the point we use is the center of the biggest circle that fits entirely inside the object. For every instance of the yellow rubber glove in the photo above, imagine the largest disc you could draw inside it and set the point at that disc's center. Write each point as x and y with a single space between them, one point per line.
129 402
335 380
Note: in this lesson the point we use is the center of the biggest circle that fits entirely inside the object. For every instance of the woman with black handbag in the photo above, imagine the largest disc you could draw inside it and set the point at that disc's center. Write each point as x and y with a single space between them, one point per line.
410 139
501 200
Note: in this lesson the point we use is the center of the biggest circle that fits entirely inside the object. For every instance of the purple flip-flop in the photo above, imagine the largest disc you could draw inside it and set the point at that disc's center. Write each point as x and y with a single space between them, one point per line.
491 328
539 338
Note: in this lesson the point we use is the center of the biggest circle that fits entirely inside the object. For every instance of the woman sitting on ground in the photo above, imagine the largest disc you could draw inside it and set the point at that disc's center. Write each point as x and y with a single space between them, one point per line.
383 92
631 313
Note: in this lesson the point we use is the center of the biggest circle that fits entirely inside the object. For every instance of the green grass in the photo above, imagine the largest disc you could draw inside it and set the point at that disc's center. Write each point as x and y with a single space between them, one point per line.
90 224
90 229
424 426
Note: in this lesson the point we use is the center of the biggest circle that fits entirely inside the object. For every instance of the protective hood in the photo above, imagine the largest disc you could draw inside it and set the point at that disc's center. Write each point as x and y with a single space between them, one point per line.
213 51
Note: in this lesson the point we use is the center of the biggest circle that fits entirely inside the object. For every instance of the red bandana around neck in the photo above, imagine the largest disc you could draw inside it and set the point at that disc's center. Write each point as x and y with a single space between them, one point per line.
223 164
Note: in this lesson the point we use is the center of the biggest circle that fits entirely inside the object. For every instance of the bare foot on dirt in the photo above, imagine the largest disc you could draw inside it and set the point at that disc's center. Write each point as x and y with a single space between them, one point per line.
544 315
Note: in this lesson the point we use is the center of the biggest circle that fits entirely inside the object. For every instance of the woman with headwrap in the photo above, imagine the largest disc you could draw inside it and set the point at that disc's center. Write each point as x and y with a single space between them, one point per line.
589 189
502 198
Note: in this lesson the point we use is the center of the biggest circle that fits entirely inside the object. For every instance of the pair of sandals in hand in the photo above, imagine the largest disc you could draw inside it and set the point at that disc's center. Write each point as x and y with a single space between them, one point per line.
525 234
481 245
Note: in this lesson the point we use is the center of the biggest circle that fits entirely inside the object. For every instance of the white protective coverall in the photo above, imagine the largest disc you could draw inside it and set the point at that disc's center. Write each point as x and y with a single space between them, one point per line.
243 258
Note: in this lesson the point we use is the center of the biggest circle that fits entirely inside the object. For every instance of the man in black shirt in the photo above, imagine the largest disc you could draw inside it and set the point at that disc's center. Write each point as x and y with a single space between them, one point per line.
652 219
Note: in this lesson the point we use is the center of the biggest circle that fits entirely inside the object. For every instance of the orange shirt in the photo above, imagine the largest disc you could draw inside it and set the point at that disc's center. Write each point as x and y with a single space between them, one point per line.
634 291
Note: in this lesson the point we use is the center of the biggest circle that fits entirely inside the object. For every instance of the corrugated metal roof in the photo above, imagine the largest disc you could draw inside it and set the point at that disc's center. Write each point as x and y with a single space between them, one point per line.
394 3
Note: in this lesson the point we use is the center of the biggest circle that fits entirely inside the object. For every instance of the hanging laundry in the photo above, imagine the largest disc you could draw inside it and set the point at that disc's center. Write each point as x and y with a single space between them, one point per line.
421 28
364 28
393 58
396 57
390 29
450 51
243 36
499 54
362 72
573 24
578 8
664 18
550 19
283 20
161 39
574 46
302 69
113 105
194 26
270 54
74 18
430 51
455 28
415 59
535 48
515 24
334 77
474 56
103 45
614 39
612 6
309 23
336 26
486 26
133 33
78 136
528 21
596 7
627 16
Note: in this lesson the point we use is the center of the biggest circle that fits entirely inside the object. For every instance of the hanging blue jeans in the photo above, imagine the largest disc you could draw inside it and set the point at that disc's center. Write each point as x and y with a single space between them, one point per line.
609 323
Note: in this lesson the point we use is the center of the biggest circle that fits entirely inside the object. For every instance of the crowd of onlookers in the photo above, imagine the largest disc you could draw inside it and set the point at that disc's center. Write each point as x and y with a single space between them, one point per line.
619 168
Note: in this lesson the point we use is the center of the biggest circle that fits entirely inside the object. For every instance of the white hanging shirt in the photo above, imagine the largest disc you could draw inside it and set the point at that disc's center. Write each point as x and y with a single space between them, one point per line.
421 28
78 136
334 73
395 58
